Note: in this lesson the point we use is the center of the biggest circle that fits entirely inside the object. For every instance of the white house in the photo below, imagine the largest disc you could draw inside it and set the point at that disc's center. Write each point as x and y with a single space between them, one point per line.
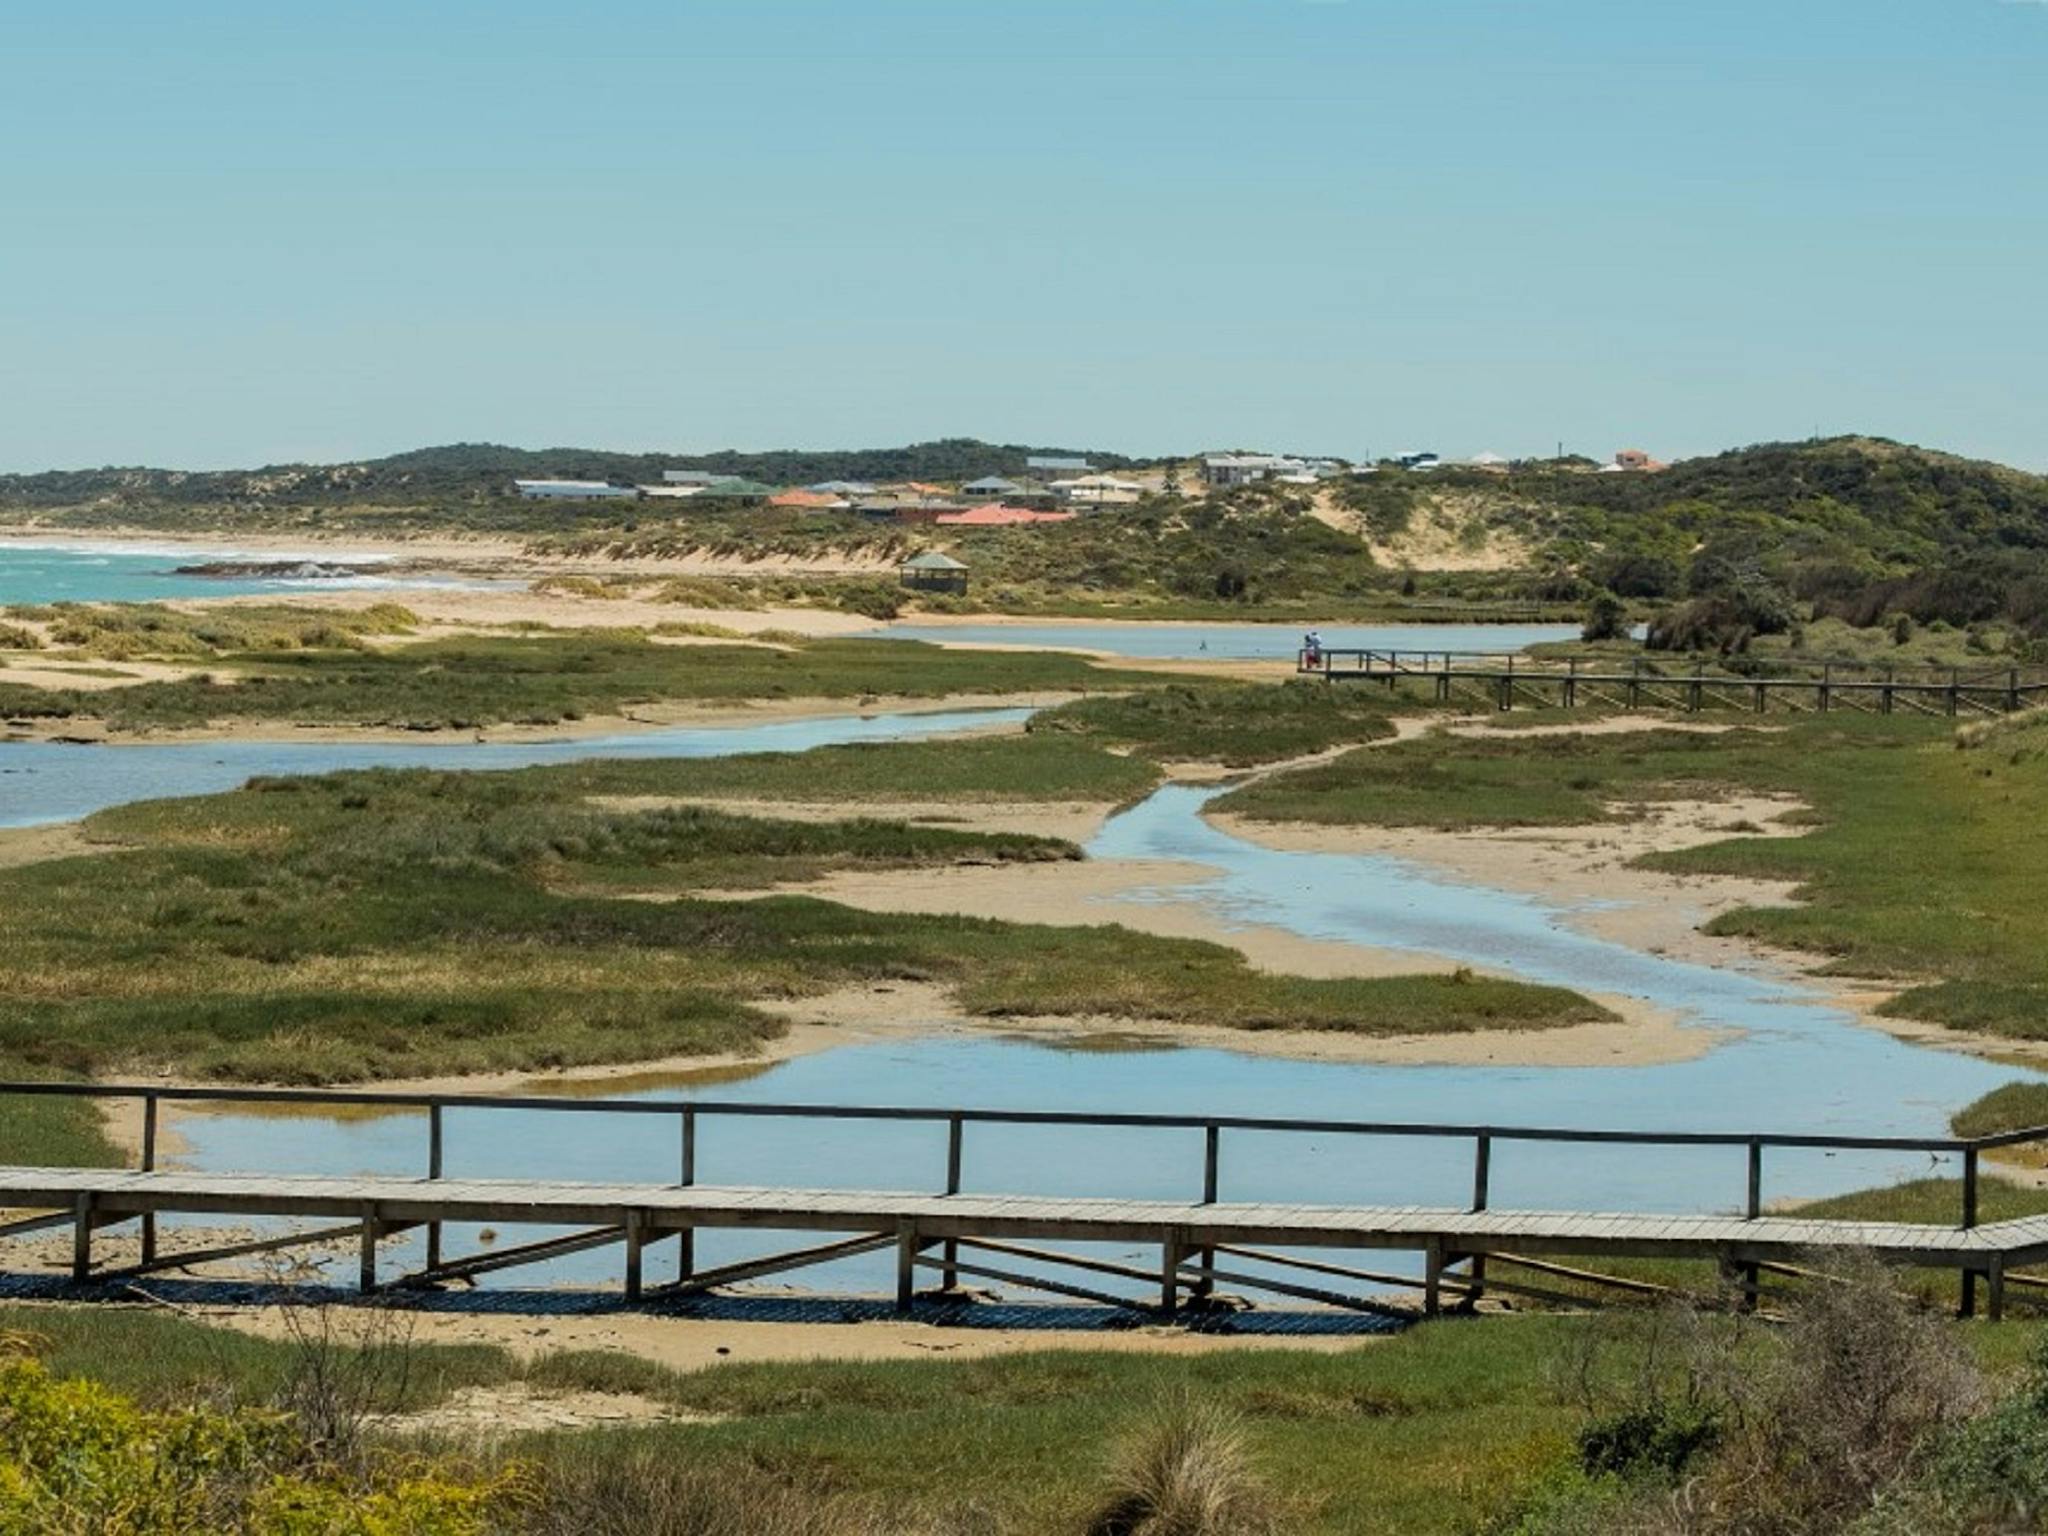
1097 491
1224 469
575 490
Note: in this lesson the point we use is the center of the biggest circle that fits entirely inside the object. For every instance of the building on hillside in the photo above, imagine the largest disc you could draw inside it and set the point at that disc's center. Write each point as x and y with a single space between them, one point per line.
737 488
575 490
1097 491
1634 459
1418 458
996 515
849 488
933 572
1227 469
994 487
1041 466
670 492
691 476
809 501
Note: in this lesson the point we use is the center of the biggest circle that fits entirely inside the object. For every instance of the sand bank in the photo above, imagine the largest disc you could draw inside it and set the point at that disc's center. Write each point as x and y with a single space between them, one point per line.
660 715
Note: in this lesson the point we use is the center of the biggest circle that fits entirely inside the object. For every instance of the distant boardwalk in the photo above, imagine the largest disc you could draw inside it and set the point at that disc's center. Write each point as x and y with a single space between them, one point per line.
1500 681
949 1232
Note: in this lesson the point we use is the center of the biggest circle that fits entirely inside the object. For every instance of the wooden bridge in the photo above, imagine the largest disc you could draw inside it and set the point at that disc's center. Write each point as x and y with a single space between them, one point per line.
1501 681
1204 1240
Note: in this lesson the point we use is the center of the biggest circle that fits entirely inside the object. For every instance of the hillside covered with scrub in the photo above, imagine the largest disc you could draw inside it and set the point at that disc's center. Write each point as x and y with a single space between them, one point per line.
1712 552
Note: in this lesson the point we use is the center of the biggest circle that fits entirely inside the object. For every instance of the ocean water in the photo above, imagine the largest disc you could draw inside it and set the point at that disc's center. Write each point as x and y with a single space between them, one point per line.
126 572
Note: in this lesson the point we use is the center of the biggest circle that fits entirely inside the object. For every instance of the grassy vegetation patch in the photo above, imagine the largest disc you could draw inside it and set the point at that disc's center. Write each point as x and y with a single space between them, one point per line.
1923 864
1237 724
1037 767
471 681
385 923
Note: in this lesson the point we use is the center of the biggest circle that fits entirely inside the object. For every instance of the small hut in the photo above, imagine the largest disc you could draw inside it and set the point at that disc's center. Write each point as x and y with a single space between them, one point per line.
933 572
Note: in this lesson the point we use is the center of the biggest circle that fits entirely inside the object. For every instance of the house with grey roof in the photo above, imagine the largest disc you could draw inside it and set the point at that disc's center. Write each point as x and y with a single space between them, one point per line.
990 486
1042 466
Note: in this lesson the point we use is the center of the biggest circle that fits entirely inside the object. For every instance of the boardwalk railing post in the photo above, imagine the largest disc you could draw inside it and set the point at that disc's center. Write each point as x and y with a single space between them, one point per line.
956 1129
1482 1177
1969 1298
635 1243
1827 685
1753 1207
149 1116
434 1146
686 1240
1212 1153
1170 1254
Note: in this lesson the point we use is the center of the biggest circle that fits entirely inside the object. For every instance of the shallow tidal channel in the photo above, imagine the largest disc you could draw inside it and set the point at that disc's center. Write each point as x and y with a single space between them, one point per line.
1789 1061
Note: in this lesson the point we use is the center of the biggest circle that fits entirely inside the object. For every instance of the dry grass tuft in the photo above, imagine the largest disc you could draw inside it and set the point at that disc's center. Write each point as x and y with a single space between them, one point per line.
1187 1472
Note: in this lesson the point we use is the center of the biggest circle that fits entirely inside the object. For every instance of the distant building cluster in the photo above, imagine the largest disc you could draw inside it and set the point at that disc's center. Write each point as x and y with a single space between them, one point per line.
1051 489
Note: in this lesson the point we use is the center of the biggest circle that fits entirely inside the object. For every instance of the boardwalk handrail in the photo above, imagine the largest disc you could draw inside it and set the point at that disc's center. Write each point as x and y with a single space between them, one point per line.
1198 1258
941 1114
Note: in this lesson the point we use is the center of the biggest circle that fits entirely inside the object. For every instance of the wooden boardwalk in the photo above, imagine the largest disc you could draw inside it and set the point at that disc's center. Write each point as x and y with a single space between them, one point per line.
1504 681
1285 1249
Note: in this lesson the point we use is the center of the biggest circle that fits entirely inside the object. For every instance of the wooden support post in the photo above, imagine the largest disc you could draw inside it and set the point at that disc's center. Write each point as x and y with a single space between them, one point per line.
149 1124
366 1280
956 1129
2012 691
1955 688
1571 682
1635 684
1170 1254
1695 692
1433 1279
1827 685
686 1240
1482 1176
81 1238
1995 1275
1753 1208
1968 1307
1212 1153
636 1242
434 1150
906 1266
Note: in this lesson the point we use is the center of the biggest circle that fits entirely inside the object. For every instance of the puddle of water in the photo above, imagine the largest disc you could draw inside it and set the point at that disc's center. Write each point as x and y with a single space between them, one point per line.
1234 642
44 781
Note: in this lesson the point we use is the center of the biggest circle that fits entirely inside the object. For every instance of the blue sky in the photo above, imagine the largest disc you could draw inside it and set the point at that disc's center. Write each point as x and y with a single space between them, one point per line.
246 233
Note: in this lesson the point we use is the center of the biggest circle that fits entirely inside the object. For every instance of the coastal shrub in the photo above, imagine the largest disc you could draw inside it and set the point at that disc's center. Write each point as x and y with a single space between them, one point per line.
1740 1431
1606 619
79 1459
16 637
